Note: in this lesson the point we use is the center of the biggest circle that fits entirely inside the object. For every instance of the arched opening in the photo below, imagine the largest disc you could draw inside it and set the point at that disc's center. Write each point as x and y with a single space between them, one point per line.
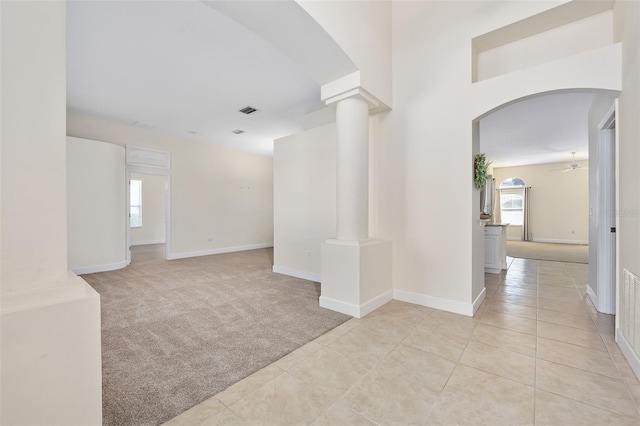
569 217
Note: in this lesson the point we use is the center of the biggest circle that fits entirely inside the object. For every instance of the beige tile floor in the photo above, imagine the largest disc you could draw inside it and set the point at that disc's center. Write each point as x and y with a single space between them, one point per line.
537 352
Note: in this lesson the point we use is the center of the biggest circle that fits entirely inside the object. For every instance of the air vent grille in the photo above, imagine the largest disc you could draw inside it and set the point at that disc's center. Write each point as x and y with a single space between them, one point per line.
248 110
630 309
237 131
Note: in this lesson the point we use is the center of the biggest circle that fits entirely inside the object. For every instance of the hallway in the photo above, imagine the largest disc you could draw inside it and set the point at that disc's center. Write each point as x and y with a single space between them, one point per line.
537 352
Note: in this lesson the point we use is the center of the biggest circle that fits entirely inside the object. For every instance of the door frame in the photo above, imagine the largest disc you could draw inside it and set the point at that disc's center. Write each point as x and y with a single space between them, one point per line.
607 284
167 206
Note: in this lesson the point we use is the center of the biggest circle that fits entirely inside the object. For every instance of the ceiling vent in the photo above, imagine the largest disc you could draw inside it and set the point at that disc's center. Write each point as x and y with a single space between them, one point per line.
237 131
248 110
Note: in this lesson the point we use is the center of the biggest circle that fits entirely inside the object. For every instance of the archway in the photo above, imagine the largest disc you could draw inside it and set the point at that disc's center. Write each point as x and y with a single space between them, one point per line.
591 211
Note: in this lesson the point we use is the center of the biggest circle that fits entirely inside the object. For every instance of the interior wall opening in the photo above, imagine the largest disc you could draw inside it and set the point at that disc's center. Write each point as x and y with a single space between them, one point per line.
148 224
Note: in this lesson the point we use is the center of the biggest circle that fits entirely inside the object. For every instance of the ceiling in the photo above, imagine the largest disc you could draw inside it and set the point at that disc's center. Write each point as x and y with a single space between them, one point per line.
183 68
538 130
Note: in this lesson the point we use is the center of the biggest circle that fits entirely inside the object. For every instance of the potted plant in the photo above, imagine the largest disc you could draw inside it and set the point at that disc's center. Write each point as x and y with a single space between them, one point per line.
481 174
481 168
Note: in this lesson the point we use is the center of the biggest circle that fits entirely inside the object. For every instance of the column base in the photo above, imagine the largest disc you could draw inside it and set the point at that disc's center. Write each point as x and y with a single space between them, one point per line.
51 355
356 276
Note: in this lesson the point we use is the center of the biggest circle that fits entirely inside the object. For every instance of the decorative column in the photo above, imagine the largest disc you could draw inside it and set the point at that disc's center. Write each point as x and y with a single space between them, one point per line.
356 270
352 125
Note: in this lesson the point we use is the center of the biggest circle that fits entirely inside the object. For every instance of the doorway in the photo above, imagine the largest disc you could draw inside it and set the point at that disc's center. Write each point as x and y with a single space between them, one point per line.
148 224
605 269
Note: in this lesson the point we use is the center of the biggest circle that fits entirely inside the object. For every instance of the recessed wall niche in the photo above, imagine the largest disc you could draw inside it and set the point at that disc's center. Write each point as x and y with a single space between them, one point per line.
566 30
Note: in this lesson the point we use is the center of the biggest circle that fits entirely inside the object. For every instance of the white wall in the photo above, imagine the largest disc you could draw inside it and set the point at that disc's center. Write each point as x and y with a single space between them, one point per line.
153 210
577 37
50 350
427 202
363 30
597 112
319 117
422 196
221 199
559 201
33 145
304 199
627 30
96 206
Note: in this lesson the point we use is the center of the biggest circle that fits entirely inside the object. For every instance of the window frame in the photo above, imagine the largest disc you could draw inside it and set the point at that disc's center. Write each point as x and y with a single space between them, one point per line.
137 206
508 188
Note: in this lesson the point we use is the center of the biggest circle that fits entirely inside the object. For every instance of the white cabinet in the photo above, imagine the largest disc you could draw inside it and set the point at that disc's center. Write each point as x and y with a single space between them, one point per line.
495 248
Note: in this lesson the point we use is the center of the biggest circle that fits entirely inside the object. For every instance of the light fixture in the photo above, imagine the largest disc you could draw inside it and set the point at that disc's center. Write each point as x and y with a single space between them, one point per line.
237 131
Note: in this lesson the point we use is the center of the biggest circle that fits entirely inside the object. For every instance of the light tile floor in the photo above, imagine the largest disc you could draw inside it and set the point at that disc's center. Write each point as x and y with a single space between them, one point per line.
536 352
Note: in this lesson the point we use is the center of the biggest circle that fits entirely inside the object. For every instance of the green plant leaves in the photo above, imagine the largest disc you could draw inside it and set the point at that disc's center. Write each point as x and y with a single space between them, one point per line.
481 171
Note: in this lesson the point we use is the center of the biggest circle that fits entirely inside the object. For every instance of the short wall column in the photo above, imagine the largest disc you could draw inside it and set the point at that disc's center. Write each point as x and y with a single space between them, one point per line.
356 270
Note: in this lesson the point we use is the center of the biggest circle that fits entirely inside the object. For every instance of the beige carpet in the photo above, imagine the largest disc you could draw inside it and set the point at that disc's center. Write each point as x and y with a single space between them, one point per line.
175 333
574 253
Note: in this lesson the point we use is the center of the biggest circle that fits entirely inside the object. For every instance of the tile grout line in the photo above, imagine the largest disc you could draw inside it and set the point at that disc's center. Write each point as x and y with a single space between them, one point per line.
609 352
459 364
536 358
368 373
591 317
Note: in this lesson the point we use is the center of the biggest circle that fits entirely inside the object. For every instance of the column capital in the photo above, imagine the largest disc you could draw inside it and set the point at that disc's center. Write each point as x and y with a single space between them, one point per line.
349 86
357 92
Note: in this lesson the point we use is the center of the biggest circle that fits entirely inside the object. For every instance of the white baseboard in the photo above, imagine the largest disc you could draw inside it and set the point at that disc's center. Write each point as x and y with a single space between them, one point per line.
311 276
436 302
592 295
550 240
479 300
376 302
628 352
339 306
99 268
356 311
184 255
147 242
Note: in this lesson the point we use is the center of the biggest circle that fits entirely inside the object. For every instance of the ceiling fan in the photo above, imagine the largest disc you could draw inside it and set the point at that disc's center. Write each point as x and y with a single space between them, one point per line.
574 165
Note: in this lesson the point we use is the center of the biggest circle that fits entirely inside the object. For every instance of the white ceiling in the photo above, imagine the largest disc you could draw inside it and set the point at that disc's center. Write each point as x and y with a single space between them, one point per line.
543 129
183 67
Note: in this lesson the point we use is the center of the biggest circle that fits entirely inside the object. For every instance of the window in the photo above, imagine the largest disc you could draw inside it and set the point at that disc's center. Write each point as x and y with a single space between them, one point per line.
135 204
512 200
513 182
